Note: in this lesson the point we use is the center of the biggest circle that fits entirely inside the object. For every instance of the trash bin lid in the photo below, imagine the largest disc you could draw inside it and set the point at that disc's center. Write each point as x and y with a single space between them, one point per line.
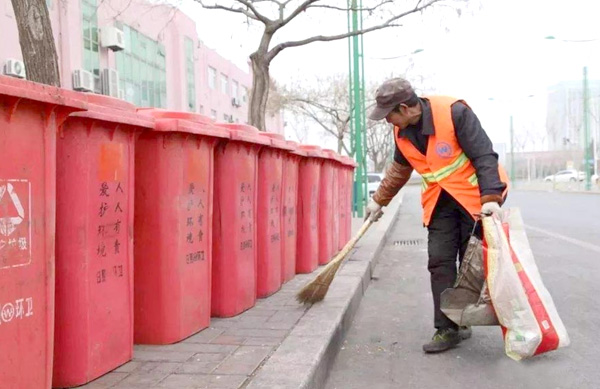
245 133
14 87
112 110
277 141
185 122
313 151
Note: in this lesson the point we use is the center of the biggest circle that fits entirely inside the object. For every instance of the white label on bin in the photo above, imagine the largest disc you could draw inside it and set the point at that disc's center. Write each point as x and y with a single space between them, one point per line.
18 310
15 223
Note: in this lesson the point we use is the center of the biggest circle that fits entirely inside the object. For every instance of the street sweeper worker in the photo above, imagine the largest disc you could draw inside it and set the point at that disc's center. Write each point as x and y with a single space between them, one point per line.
442 139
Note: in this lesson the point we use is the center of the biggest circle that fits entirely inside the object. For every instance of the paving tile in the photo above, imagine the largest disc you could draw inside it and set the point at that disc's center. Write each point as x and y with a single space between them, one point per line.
106 381
229 339
226 381
128 367
197 367
162 355
256 332
244 360
184 381
264 341
205 336
142 379
208 357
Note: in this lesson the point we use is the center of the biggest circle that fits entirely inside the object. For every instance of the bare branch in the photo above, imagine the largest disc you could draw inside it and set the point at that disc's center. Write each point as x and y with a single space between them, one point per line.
255 15
296 12
346 9
252 8
236 10
320 38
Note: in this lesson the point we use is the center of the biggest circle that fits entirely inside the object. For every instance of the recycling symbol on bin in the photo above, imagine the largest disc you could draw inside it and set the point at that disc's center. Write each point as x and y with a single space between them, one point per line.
14 217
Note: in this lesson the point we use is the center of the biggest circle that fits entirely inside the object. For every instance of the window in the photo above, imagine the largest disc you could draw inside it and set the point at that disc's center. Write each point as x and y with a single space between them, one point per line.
234 88
244 94
201 109
91 54
213 114
225 117
212 78
224 84
142 70
189 74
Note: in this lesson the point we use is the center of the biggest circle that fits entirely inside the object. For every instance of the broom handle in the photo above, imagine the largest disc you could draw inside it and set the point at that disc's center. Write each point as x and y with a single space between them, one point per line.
352 242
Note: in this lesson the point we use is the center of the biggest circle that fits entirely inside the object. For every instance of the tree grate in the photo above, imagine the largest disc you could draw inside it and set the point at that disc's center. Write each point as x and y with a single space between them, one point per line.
408 242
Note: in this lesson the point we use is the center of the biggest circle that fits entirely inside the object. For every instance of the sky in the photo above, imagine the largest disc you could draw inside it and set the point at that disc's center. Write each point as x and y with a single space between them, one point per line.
493 55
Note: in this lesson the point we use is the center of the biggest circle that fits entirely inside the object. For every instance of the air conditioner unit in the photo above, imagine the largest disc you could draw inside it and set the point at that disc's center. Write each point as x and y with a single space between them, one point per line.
235 102
14 68
112 38
110 82
83 81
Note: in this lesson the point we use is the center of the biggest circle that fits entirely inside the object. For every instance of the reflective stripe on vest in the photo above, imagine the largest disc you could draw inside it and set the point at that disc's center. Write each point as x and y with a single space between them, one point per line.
445 172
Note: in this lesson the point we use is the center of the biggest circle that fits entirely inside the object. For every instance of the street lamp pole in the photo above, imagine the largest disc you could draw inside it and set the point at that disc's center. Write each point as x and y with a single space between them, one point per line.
586 130
357 105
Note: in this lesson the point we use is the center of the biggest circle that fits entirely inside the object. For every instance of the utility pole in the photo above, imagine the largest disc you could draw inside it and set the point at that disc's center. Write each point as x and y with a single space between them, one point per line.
586 131
357 105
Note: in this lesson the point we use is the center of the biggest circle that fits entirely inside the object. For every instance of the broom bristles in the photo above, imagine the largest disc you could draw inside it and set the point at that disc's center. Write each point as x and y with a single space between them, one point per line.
315 291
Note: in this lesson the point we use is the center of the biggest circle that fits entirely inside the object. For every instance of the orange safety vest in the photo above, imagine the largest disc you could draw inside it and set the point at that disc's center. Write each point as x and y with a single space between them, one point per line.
445 165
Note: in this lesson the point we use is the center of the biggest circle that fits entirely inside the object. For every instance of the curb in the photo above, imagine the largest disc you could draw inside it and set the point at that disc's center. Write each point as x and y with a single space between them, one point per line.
304 358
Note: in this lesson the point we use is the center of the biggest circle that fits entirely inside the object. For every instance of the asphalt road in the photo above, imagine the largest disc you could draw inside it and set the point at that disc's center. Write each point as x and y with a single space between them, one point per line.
383 347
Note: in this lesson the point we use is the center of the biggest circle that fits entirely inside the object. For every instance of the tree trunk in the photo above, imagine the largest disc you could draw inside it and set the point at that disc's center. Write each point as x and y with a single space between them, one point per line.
37 41
260 91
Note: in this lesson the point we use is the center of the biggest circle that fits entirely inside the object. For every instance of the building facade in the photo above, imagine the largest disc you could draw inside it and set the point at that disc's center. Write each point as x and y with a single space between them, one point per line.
564 120
148 54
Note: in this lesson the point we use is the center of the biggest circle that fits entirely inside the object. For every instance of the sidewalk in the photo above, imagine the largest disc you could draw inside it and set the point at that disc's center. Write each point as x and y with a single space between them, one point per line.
276 344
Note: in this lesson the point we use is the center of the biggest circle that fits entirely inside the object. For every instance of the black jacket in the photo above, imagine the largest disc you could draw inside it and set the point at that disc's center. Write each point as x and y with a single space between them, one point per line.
471 137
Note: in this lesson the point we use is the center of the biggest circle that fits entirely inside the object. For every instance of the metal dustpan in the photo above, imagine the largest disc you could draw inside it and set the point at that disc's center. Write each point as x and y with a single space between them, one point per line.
468 303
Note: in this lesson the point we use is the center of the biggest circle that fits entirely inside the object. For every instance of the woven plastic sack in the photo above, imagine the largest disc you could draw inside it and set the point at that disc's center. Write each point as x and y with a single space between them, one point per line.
524 308
468 302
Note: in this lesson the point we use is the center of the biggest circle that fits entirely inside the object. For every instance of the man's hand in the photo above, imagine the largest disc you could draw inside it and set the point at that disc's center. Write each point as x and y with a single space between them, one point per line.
488 209
373 211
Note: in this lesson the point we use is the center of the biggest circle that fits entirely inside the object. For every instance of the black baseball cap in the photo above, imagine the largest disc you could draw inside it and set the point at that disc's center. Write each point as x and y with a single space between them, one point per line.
391 93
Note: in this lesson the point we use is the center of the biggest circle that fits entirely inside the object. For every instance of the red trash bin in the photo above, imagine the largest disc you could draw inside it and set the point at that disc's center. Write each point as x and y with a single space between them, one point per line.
94 240
173 226
337 176
30 115
270 182
309 183
348 191
326 208
234 221
289 214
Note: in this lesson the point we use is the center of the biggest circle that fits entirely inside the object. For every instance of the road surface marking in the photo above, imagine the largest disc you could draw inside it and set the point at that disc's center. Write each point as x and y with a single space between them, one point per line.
576 242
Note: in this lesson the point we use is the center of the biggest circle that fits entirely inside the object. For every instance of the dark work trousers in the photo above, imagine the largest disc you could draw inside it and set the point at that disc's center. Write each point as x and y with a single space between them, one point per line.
449 230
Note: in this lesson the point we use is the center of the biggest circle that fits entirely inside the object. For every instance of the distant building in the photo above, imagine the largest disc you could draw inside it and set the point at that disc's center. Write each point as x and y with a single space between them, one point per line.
564 120
148 54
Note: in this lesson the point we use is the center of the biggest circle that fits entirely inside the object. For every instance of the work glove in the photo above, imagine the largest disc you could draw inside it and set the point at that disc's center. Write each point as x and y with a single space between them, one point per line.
488 209
373 211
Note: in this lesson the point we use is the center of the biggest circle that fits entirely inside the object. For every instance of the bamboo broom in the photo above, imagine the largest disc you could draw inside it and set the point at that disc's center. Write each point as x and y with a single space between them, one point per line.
316 290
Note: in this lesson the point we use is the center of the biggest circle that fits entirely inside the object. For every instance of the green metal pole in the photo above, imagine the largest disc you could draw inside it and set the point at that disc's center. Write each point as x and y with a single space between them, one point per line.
512 152
586 130
357 117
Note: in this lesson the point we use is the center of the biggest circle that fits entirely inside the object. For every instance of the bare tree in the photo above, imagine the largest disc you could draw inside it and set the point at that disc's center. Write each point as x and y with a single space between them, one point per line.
325 104
37 41
274 15
380 144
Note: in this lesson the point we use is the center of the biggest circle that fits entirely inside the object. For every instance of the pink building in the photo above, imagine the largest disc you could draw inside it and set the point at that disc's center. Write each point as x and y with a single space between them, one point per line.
145 53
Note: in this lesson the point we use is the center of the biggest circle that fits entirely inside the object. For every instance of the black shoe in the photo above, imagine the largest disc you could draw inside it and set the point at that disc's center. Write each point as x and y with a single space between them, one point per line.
465 332
444 339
